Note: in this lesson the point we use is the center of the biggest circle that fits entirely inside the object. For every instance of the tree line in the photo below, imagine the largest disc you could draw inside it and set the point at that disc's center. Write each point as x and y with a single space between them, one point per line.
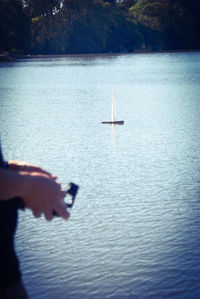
97 26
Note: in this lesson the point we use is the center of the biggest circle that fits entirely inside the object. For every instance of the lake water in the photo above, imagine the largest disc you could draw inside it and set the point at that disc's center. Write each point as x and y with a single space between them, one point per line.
134 231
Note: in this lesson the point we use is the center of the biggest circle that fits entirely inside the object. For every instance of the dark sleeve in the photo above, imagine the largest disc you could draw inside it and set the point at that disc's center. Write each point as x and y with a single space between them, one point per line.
9 265
3 163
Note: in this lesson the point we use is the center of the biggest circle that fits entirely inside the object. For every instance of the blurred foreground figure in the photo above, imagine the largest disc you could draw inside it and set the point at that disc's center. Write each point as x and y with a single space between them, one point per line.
37 190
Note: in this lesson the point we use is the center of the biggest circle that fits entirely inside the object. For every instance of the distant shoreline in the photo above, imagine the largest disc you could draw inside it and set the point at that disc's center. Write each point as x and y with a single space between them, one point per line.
6 57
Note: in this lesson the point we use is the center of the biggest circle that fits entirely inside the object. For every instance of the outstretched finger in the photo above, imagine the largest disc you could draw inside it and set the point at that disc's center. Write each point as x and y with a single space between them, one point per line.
37 214
48 215
61 210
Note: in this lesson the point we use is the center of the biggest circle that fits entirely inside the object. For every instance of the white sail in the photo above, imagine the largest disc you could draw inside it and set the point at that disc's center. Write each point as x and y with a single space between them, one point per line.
112 120
113 108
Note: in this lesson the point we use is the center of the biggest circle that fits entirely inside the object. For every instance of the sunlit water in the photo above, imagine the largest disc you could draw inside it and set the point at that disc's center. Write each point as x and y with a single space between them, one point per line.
134 231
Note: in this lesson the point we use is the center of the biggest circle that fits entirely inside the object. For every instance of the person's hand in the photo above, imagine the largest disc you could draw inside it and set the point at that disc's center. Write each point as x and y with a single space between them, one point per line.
42 194
24 166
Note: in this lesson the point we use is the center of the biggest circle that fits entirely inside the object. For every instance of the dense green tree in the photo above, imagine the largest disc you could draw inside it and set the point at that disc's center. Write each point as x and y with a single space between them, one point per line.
193 9
48 35
167 24
127 3
36 8
85 27
124 35
98 26
112 2
14 27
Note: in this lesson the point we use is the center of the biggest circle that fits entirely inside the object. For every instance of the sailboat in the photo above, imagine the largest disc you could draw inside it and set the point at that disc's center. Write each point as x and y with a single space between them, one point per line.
112 119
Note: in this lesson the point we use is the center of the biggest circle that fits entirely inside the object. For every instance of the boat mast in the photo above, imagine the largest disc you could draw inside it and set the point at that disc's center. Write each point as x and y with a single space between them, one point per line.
113 108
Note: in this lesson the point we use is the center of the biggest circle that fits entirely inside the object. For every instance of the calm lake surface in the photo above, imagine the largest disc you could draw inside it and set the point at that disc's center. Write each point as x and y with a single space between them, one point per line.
134 230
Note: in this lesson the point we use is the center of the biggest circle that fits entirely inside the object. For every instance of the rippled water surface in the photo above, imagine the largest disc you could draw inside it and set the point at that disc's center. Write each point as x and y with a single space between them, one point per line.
134 231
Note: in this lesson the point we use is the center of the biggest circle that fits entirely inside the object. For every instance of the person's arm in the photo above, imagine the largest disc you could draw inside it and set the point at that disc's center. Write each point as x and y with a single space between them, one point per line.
39 191
11 184
24 166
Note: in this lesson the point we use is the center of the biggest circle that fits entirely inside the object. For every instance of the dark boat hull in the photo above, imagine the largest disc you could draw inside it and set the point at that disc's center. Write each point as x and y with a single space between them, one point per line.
117 122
